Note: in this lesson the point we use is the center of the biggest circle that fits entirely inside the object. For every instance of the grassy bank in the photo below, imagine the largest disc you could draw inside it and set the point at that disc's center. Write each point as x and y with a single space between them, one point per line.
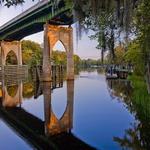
140 97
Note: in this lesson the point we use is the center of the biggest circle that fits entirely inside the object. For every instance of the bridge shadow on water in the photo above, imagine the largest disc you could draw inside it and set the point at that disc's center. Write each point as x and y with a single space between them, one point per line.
53 132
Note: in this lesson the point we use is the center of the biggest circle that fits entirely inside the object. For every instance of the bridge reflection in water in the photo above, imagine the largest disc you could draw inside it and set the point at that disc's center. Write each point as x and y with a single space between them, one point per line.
52 133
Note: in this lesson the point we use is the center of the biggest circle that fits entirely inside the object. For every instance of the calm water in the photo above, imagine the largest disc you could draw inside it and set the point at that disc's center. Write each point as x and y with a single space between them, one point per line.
87 113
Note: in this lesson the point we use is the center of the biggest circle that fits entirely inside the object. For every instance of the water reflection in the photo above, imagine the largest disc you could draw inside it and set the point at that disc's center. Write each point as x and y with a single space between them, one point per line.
120 88
137 137
91 113
53 124
53 132
11 94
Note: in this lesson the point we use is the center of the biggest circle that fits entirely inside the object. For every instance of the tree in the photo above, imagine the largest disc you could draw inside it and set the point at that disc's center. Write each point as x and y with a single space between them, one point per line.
135 56
108 18
77 60
32 53
60 58
11 58
119 53
9 3
142 23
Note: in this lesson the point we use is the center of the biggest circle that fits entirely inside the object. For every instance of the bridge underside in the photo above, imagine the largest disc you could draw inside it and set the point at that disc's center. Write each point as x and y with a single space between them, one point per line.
38 27
33 20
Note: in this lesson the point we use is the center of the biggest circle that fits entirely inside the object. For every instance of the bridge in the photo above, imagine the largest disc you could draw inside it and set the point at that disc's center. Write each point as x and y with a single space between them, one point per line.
46 16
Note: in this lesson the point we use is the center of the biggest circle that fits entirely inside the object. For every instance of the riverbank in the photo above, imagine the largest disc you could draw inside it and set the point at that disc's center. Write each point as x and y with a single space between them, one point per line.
140 96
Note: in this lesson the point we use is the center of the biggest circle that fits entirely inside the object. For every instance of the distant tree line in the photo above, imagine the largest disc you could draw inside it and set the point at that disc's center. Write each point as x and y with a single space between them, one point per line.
32 56
86 63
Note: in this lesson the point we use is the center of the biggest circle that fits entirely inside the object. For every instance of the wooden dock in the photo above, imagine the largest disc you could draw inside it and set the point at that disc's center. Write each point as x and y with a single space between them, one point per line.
56 72
113 72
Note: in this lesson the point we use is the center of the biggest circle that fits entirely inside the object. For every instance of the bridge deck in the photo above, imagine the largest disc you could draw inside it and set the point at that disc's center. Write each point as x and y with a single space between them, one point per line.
33 19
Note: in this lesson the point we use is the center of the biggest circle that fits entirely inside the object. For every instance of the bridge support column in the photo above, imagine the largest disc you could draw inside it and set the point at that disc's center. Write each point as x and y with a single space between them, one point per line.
53 34
70 60
14 46
19 53
46 56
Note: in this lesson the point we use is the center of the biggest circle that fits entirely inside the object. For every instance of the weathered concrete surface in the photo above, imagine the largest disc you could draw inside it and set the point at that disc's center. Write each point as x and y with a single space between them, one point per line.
14 46
46 56
53 34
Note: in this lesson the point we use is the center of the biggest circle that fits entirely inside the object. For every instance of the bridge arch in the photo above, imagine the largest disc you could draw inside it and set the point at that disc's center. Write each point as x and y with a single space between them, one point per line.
9 47
59 49
65 36
11 58
12 100
60 43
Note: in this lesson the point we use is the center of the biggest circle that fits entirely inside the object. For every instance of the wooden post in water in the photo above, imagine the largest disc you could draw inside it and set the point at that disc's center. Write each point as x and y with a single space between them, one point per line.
46 56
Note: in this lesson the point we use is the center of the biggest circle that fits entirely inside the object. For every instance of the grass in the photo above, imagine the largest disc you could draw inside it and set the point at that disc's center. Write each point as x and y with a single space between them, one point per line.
140 97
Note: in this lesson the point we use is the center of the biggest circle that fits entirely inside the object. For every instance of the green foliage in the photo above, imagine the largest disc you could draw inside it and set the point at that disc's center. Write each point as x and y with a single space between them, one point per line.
59 58
119 53
31 53
138 83
9 3
90 62
108 18
77 60
135 56
12 90
11 58
142 22
119 56
28 90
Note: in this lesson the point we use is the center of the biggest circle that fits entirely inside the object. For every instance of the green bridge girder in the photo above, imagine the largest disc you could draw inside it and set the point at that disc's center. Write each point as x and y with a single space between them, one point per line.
34 19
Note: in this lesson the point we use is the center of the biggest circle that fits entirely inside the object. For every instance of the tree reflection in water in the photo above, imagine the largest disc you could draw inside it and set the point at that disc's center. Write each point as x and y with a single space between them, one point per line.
137 137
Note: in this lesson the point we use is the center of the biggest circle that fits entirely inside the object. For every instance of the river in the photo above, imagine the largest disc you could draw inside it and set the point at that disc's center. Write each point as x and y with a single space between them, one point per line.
87 113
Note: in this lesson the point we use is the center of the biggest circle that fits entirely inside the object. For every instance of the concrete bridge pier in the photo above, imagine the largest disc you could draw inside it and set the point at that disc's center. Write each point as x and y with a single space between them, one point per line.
46 56
53 34
70 60
15 47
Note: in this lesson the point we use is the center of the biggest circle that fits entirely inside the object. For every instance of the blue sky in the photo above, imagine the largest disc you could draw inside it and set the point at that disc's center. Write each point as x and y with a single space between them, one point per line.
85 47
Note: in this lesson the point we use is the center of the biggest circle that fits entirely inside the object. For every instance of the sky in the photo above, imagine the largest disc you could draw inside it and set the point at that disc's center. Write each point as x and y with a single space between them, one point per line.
85 47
